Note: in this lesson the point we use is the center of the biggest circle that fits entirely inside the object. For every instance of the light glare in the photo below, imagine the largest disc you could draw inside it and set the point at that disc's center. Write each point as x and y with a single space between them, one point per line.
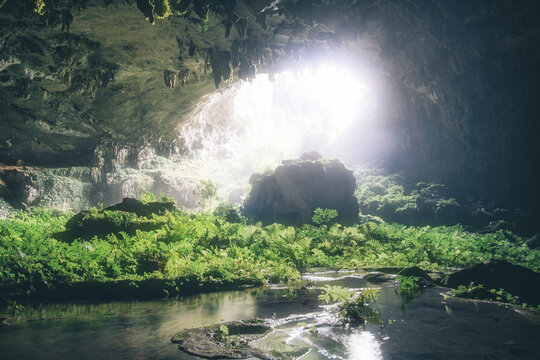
251 127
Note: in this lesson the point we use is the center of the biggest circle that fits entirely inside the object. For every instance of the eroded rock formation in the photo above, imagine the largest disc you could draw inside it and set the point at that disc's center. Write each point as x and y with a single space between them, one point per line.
457 79
295 189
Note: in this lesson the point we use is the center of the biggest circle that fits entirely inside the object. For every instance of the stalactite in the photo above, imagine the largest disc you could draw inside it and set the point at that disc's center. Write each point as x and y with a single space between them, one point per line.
220 62
170 79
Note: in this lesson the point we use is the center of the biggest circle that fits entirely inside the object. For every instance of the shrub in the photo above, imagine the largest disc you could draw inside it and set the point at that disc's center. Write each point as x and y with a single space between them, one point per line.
324 216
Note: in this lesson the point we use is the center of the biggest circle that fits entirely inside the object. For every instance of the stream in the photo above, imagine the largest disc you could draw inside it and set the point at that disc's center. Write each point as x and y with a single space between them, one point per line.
428 327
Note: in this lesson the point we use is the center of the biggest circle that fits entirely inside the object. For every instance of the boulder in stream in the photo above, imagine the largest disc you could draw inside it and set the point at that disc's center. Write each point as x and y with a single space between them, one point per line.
500 274
291 193
231 340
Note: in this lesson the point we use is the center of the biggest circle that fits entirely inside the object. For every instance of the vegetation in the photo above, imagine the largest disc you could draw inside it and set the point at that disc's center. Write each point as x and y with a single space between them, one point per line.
207 248
207 191
394 198
479 292
355 308
39 6
409 287
325 216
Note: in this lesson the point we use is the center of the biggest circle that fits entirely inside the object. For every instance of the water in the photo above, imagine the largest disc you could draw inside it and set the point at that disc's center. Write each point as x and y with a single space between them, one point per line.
430 327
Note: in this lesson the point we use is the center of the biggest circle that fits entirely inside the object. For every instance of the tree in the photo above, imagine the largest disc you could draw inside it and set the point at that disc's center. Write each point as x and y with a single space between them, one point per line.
206 190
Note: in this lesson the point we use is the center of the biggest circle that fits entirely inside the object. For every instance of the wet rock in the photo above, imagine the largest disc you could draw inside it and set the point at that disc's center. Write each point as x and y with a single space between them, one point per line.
415 271
211 341
294 190
377 277
500 274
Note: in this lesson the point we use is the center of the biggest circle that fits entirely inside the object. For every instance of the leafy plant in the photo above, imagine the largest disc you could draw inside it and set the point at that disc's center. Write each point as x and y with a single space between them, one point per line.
205 248
478 291
207 191
355 309
323 216
39 6
361 308
223 334
409 287
148 197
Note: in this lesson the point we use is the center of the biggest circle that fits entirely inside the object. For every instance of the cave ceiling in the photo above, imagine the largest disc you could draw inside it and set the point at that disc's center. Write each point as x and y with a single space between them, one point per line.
462 76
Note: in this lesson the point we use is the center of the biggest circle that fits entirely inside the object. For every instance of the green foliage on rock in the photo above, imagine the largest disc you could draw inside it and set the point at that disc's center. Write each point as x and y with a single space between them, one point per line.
162 9
479 292
208 22
409 287
39 6
355 308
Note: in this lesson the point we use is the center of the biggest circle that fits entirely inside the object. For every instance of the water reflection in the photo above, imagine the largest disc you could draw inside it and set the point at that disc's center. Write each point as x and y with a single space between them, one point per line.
362 345
423 329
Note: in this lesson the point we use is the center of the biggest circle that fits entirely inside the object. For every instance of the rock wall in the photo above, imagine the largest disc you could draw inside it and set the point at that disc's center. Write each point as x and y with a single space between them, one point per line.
457 79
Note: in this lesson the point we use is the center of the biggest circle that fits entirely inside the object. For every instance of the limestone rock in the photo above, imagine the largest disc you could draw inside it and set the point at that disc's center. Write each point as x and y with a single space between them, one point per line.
294 190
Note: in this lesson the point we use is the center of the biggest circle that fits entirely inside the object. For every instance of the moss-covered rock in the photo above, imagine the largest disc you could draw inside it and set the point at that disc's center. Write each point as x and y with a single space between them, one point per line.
499 274
128 216
231 340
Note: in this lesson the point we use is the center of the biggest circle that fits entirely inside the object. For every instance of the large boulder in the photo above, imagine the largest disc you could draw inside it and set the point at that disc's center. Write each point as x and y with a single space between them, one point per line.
128 216
291 193
500 274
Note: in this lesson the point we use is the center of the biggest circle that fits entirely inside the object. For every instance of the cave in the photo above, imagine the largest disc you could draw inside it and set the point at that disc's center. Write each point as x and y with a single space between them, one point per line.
177 148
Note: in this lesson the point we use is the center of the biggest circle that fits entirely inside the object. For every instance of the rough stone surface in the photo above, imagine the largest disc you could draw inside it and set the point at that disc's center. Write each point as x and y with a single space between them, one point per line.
294 190
377 277
207 341
496 274
459 79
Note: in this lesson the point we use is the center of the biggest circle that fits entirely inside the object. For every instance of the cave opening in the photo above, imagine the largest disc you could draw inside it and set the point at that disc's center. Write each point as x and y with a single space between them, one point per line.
273 179
252 126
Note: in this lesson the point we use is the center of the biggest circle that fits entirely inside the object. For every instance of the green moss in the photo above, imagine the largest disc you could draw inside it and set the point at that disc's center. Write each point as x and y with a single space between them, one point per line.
39 6
209 22
162 9
64 193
